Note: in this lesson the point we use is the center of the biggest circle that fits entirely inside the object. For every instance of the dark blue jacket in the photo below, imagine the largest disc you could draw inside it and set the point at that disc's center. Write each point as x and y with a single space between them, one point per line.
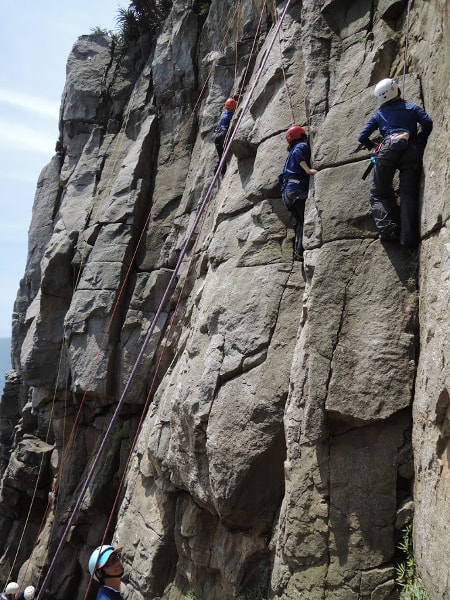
293 177
394 116
107 593
300 152
225 120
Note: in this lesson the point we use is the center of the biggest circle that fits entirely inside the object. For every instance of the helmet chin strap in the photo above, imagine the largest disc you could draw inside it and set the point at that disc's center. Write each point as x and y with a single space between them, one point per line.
118 576
106 576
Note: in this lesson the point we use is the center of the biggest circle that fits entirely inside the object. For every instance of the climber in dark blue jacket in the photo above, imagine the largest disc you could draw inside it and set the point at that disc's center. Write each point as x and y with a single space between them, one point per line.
221 129
401 148
294 181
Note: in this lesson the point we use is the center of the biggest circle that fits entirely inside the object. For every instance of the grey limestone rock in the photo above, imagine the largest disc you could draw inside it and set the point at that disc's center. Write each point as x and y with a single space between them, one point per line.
281 421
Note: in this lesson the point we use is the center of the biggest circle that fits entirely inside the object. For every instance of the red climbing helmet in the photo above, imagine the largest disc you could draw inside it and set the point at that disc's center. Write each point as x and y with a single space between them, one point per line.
294 133
230 104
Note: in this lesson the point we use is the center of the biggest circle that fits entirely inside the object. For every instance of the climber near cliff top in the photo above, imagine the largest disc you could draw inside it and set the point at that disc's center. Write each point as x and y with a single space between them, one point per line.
105 566
401 149
294 180
221 129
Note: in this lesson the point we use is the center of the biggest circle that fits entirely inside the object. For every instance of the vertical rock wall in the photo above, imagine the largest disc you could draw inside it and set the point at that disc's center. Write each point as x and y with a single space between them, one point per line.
265 433
431 402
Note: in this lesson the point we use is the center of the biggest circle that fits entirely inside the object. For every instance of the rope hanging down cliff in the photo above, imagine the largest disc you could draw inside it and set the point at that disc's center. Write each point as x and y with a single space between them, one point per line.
171 327
101 197
164 299
405 55
288 95
148 399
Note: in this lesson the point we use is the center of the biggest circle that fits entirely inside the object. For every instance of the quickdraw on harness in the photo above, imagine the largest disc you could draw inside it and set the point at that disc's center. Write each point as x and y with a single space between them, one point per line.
372 162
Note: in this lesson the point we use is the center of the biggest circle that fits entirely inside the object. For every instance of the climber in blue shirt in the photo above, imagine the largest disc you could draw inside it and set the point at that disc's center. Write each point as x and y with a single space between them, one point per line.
401 149
221 129
294 181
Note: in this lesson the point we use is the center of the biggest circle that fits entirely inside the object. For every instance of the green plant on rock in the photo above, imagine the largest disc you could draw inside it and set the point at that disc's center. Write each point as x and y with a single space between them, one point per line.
204 9
252 594
407 576
397 36
413 592
117 433
128 24
100 31
142 16
325 68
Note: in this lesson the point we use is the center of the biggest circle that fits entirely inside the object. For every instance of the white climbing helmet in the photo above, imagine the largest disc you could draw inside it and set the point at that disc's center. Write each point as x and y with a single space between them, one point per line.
28 592
386 90
12 588
98 559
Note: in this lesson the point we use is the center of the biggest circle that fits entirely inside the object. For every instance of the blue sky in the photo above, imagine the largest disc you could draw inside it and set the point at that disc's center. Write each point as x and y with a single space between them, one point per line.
35 41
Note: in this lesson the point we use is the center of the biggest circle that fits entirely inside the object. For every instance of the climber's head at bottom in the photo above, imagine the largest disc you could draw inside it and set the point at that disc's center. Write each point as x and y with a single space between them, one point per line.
105 565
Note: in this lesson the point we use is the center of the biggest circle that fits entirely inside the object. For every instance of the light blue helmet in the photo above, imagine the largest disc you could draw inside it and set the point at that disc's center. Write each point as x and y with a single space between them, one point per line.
98 559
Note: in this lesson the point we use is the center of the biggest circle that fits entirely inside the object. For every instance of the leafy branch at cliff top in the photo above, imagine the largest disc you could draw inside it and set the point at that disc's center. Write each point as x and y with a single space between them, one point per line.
142 16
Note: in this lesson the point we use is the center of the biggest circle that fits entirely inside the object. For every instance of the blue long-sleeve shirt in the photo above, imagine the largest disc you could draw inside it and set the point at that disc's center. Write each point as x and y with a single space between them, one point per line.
225 120
300 152
107 593
395 116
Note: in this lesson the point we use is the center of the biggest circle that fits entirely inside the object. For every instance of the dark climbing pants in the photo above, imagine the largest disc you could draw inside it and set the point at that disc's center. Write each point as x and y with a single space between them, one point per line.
294 200
219 143
391 223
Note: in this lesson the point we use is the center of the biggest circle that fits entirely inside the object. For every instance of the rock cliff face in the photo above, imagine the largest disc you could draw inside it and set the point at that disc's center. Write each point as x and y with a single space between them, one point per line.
270 425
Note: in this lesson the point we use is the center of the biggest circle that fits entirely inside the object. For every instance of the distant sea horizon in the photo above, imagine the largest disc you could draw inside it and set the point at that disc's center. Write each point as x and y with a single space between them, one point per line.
5 360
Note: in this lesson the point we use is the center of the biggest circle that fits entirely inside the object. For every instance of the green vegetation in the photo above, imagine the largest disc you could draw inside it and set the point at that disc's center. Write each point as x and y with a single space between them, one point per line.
100 31
253 594
325 68
204 9
407 576
117 433
397 36
142 16
200 7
